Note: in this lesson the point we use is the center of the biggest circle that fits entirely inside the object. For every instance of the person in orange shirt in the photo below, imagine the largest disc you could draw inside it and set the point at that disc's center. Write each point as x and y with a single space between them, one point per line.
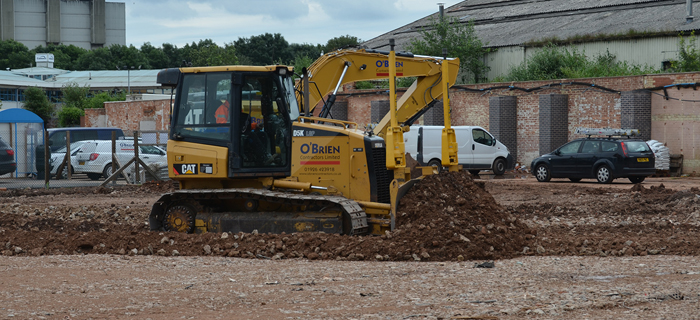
222 113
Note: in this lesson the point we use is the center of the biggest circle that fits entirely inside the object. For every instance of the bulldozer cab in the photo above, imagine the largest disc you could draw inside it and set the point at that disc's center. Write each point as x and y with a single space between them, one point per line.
247 111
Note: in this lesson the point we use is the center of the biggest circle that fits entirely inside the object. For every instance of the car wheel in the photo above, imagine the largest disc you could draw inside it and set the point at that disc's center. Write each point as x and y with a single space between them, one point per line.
499 167
107 172
94 176
575 179
603 174
64 173
474 172
436 164
542 173
636 180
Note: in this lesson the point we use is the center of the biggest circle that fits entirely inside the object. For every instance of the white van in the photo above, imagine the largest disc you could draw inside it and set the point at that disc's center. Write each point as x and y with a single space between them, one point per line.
95 156
477 148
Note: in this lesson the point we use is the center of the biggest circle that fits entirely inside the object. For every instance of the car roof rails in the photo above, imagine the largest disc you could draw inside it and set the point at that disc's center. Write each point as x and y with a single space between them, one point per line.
610 132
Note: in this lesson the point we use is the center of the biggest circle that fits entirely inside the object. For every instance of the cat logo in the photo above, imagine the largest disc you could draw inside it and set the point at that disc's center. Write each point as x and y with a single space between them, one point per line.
186 168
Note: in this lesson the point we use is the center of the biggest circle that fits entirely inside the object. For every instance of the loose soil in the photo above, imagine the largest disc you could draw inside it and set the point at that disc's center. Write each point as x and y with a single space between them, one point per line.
450 219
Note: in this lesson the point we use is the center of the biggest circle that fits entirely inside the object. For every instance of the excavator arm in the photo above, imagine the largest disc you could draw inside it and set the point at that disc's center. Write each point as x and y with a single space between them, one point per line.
334 69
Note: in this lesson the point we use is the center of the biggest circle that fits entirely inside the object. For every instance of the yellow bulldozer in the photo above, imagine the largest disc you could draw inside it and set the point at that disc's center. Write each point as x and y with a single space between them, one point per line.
249 155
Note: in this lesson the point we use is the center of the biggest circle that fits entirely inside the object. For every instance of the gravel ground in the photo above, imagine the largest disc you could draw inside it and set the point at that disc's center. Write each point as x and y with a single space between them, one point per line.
149 287
559 249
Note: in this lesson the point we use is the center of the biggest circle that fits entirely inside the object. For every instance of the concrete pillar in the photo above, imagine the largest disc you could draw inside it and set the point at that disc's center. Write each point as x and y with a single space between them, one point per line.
7 19
98 27
554 121
636 112
503 121
435 116
53 21
339 111
379 109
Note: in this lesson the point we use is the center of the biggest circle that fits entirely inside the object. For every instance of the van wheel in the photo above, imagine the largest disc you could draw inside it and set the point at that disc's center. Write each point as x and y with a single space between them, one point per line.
435 163
107 172
94 176
499 167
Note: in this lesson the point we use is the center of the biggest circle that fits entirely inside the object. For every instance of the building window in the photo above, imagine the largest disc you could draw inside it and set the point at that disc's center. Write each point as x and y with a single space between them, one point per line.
8 94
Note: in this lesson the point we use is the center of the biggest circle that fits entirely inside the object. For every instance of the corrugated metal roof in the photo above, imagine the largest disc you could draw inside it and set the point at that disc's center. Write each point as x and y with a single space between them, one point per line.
9 79
110 78
501 23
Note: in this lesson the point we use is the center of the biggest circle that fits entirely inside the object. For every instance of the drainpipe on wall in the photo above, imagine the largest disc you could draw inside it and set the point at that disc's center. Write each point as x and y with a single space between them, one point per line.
689 8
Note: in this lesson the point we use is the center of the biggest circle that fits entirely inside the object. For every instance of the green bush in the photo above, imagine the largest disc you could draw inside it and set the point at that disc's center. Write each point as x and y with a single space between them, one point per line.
35 100
70 116
554 62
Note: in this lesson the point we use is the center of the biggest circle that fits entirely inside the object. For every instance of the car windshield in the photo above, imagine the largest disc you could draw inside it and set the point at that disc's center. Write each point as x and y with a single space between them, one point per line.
637 146
73 146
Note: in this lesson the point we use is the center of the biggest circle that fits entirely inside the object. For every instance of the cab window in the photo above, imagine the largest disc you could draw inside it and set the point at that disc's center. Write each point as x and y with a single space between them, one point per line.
204 106
482 137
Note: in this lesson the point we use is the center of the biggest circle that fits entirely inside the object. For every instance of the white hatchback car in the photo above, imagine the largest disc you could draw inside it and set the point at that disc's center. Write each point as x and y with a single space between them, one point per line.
58 156
95 156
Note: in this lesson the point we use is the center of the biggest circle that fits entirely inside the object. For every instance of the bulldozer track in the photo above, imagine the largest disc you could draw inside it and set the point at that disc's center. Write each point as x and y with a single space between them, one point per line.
354 211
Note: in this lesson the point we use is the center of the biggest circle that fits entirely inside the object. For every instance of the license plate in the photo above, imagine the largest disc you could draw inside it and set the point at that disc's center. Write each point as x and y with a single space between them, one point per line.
81 162
642 159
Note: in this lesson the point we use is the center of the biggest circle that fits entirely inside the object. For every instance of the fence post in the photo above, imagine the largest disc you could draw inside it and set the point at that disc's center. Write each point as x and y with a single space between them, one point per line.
47 170
114 156
136 156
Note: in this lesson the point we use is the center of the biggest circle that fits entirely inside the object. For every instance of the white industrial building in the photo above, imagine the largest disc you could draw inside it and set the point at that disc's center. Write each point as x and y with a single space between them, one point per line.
637 31
86 24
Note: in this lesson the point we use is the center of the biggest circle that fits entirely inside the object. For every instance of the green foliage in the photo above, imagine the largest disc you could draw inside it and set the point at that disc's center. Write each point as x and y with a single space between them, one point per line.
14 55
301 62
98 100
37 102
75 96
341 42
123 56
554 62
265 49
70 116
459 39
688 54
208 53
96 59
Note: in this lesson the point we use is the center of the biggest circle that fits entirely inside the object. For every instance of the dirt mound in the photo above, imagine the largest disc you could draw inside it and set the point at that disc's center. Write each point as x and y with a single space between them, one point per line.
160 186
445 217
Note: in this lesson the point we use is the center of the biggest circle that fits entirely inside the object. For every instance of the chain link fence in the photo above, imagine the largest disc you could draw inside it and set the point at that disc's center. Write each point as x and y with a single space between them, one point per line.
86 165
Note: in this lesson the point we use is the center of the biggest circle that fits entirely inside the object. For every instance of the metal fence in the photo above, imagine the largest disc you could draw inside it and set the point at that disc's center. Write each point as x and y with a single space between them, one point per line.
27 143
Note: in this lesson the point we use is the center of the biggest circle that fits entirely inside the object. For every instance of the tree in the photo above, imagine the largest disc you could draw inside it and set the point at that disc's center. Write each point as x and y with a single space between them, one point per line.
37 102
157 59
174 55
340 42
459 39
264 49
75 96
96 59
127 56
14 55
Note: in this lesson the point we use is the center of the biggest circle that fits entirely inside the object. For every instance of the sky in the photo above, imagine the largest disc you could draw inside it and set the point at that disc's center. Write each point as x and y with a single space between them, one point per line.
299 21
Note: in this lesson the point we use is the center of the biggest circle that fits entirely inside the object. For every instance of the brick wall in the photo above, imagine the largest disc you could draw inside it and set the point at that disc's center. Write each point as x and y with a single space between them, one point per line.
503 121
554 119
132 115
